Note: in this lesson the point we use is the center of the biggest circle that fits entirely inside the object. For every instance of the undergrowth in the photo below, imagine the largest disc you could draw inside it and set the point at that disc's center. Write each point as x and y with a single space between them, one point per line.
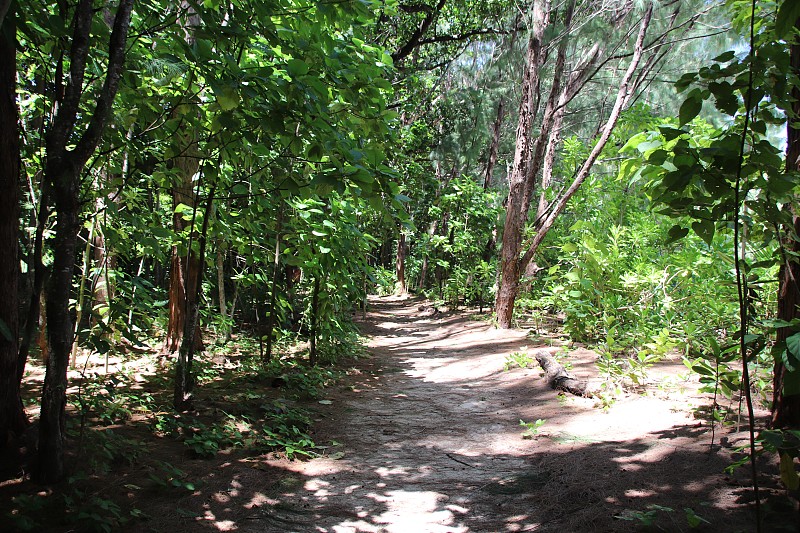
240 404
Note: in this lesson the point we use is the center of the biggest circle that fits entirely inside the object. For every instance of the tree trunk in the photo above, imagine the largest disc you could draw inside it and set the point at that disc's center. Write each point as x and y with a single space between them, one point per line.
531 157
184 270
62 171
184 379
12 415
516 210
400 264
312 341
786 404
59 321
494 147
273 296
34 318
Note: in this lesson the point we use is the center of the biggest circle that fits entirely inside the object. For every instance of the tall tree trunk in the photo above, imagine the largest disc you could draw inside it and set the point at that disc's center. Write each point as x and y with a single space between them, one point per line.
312 340
786 403
400 264
63 168
34 317
184 379
12 416
527 166
494 147
273 295
516 210
184 270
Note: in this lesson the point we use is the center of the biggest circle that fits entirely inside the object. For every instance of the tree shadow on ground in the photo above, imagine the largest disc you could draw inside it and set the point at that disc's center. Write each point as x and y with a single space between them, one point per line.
425 437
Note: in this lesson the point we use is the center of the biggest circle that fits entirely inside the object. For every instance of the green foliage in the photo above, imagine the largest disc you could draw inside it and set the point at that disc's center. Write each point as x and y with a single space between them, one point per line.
655 513
170 477
531 428
76 508
692 171
786 443
457 251
110 399
383 281
518 359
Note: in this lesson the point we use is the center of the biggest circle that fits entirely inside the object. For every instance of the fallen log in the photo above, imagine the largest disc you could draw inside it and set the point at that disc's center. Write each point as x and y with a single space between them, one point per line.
560 379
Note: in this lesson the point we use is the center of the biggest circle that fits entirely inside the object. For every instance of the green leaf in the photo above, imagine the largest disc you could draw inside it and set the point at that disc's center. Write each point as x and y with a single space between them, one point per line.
676 233
789 475
725 57
690 109
793 345
705 230
297 67
670 133
787 16
227 96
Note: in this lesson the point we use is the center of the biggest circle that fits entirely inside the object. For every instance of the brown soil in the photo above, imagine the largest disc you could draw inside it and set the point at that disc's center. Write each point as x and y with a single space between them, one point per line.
424 436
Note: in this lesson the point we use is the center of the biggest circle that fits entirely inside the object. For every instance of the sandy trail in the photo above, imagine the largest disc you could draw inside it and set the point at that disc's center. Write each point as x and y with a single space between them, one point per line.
426 438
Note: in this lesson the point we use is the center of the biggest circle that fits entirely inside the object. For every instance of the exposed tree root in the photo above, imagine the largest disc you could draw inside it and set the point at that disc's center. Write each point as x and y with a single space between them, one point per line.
560 379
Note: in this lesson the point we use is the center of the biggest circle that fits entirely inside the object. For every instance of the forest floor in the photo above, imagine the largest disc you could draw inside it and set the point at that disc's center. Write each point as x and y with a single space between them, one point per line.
423 435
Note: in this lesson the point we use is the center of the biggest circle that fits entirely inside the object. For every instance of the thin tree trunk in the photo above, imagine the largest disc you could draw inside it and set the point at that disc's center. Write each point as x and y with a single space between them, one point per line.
62 172
184 270
400 264
276 266
312 341
12 415
786 404
220 264
34 317
184 379
494 147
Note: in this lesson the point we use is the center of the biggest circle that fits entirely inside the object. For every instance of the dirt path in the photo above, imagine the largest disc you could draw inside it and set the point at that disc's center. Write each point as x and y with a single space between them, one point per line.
425 438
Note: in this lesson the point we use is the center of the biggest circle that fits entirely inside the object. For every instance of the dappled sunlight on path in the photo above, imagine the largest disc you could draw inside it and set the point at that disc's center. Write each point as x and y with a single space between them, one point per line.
425 436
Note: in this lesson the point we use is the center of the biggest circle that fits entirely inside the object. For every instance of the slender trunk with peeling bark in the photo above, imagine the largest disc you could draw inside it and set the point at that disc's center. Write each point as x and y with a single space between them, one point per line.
516 210
524 177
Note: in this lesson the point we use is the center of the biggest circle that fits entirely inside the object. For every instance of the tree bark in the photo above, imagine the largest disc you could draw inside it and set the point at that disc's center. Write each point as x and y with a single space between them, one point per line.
786 406
400 264
184 379
12 415
312 338
532 157
63 168
516 210
273 296
494 147
558 378
184 270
